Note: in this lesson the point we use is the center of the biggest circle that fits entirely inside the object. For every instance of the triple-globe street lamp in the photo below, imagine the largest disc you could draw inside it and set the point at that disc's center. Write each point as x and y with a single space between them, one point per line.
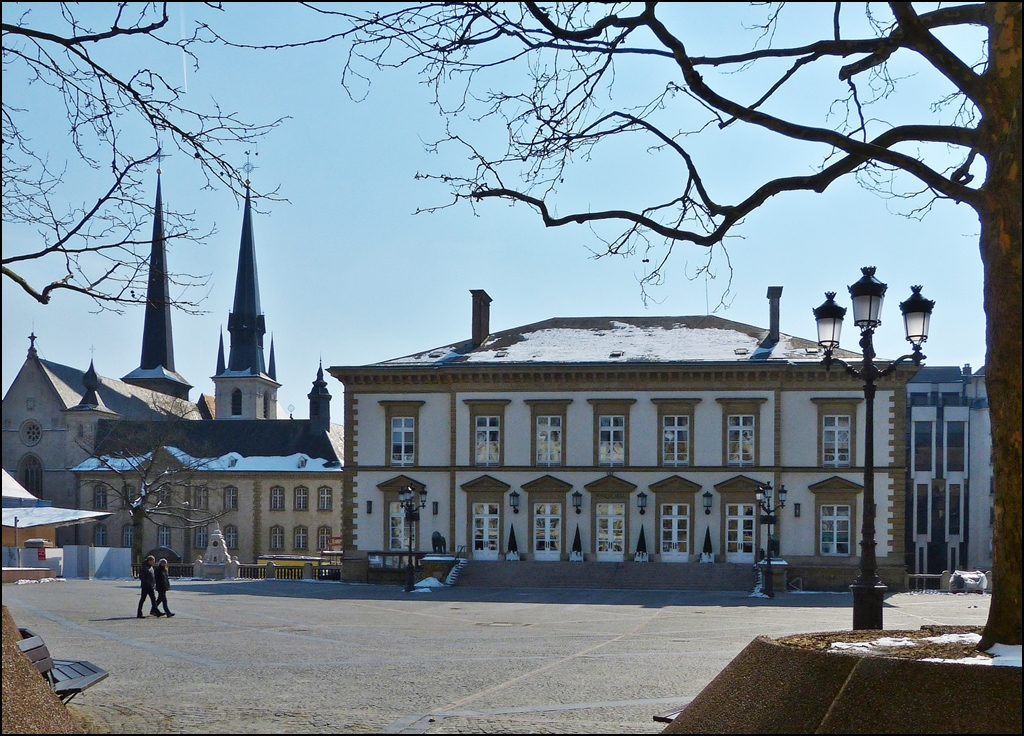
867 295
411 506
763 494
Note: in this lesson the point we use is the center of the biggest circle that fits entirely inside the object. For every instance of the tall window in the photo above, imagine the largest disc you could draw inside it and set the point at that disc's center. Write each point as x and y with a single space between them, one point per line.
487 440
163 536
301 499
835 530
277 537
99 497
922 446
954 508
301 538
201 499
549 440
277 498
201 537
325 499
397 532
266 405
675 440
835 440
955 446
323 537
99 535
127 535
611 439
32 475
675 529
230 498
403 441
236 402
740 439
922 508
231 536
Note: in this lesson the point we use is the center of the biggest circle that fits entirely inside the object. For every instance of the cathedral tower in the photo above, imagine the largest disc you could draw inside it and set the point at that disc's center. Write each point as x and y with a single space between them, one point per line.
244 388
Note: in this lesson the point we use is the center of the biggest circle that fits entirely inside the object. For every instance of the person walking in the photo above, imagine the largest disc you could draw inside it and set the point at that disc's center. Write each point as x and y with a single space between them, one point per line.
148 580
163 584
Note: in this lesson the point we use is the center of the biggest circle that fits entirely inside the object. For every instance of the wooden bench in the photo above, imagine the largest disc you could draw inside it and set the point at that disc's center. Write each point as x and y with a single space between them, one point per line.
66 677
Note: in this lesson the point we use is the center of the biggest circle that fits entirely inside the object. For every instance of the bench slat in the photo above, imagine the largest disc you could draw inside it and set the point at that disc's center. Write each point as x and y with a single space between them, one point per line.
67 677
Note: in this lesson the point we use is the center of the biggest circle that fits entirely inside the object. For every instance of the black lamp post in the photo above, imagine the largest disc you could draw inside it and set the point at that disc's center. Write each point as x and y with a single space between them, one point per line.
867 295
763 494
411 506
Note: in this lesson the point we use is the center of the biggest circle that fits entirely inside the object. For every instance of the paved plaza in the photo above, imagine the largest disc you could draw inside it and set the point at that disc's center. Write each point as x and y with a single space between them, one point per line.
279 656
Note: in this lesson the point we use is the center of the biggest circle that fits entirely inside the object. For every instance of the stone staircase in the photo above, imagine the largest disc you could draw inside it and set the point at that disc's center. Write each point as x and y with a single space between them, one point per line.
608 575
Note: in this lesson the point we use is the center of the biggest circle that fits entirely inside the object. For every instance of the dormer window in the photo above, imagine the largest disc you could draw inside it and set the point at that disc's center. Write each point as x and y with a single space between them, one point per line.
232 462
615 354
302 462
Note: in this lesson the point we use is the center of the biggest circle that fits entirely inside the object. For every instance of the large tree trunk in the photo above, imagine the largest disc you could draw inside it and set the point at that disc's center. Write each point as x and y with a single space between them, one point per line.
1000 217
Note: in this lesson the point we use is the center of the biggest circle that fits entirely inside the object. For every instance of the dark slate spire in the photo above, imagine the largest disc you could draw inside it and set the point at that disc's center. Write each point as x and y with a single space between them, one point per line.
157 343
245 322
319 403
272 368
220 355
156 368
91 382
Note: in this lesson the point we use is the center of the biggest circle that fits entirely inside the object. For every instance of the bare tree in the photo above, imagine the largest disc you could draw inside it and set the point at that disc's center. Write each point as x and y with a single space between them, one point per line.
84 208
566 81
142 466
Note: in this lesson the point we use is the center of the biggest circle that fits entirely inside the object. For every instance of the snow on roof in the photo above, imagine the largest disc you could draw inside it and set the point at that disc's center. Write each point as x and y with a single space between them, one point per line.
14 489
48 516
231 462
613 340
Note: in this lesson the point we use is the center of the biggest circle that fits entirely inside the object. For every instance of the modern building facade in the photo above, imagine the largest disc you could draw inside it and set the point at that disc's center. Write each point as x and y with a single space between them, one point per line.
950 511
595 438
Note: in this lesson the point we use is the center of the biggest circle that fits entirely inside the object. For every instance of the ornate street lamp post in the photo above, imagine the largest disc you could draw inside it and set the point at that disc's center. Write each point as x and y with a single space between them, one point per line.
867 295
411 506
763 494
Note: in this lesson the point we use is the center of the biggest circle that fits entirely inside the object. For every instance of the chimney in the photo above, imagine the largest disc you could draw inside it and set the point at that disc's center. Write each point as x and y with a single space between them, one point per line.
481 316
967 370
774 296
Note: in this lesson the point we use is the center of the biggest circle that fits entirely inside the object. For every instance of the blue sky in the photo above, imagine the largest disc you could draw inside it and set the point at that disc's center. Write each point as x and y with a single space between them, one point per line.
349 275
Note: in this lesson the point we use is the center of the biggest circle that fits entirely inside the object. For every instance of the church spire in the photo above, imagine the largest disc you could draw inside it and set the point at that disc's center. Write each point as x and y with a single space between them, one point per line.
220 354
245 321
156 368
157 343
320 403
272 368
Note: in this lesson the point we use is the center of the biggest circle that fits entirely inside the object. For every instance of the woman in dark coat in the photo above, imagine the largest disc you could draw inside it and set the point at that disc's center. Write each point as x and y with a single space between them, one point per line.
163 584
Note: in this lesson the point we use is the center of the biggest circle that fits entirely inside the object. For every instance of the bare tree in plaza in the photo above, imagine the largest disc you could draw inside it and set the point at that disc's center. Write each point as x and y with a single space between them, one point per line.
143 466
76 216
534 92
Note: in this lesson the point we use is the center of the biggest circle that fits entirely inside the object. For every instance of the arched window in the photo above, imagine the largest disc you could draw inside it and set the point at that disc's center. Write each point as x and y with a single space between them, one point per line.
231 536
99 535
301 499
236 402
163 536
200 537
276 537
325 499
301 538
230 498
31 475
99 496
277 498
266 405
127 535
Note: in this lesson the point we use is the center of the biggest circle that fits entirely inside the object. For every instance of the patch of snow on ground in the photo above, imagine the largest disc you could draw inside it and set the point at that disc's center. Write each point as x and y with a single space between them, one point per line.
41 580
955 639
430 582
885 641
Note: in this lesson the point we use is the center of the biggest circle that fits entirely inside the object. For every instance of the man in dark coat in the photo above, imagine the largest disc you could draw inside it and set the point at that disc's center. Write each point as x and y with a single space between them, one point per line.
148 580
163 584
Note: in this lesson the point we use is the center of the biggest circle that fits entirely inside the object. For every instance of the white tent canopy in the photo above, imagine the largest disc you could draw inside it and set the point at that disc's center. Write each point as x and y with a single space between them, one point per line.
14 489
24 518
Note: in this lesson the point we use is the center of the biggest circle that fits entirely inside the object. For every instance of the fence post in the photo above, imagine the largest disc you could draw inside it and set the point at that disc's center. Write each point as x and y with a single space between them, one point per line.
271 574
307 571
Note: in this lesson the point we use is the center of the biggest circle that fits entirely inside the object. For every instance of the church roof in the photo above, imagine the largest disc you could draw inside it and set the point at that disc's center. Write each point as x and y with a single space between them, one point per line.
622 340
131 402
247 438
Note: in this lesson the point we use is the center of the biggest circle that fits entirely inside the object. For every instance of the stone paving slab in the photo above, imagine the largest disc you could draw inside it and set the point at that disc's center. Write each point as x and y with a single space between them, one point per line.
301 657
